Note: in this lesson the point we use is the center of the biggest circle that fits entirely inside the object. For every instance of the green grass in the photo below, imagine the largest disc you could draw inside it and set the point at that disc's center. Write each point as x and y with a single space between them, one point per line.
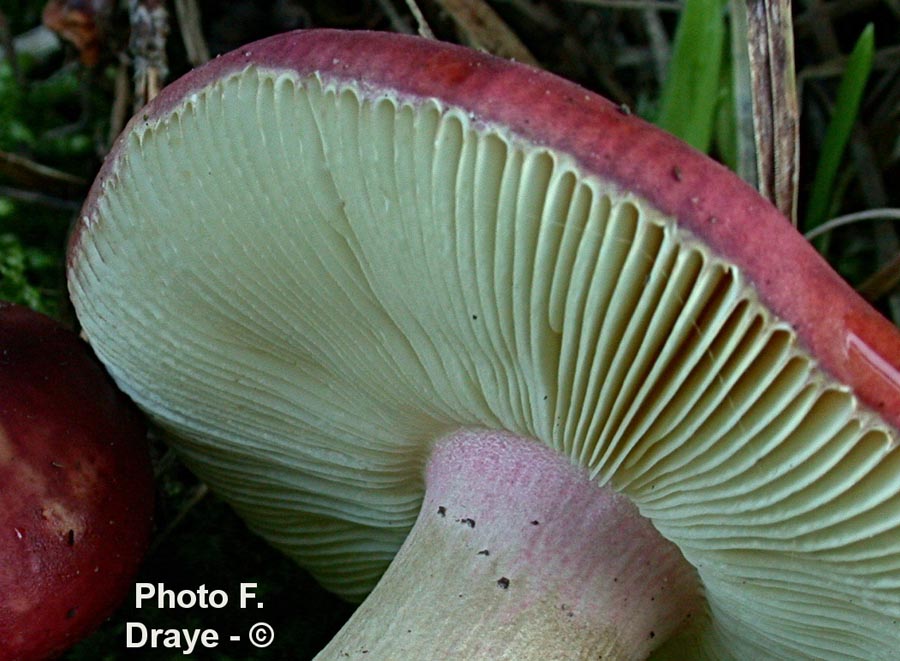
691 93
822 196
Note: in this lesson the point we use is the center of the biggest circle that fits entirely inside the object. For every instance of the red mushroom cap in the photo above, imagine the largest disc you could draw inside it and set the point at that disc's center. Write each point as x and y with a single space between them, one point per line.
854 343
76 488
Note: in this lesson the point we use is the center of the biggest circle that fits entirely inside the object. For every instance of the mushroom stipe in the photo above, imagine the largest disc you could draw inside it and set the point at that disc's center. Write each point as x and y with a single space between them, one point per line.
280 260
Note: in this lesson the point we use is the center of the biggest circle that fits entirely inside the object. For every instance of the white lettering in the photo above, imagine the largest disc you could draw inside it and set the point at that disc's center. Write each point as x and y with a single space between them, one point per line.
246 593
202 597
187 599
164 594
171 637
186 640
218 599
144 591
209 638
130 628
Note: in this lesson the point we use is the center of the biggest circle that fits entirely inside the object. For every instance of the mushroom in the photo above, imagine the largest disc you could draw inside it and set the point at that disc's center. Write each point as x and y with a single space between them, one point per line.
76 488
571 387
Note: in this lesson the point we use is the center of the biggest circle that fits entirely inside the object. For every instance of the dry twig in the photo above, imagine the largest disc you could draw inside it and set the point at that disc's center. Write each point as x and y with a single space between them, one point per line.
776 116
36 177
188 13
424 29
149 30
483 28
884 281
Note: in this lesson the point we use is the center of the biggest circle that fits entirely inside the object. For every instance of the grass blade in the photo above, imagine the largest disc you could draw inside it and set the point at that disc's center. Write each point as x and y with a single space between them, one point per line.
846 110
691 91
735 137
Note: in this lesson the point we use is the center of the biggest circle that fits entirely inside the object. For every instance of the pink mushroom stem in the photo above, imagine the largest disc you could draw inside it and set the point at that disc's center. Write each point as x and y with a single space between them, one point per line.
518 554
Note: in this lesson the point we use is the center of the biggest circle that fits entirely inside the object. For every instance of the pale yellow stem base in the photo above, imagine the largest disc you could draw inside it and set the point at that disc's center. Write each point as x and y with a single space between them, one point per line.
517 555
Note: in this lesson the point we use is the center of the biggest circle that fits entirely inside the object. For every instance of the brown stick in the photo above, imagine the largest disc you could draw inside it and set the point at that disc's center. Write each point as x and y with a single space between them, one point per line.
149 30
188 13
776 117
483 28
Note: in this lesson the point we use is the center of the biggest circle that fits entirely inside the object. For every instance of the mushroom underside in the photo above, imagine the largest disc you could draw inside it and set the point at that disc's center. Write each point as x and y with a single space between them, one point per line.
307 283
